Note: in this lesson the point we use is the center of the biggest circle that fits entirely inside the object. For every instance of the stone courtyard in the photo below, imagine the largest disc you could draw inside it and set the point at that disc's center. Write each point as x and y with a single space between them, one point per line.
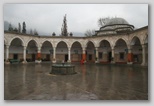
32 81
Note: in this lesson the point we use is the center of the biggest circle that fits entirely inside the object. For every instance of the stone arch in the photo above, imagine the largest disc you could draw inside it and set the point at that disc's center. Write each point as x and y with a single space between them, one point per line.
62 51
104 51
132 42
120 39
32 50
16 48
47 41
104 40
146 39
76 51
120 51
76 42
90 42
46 50
90 51
62 41
23 43
111 40
81 41
146 49
5 41
36 43
136 49
86 43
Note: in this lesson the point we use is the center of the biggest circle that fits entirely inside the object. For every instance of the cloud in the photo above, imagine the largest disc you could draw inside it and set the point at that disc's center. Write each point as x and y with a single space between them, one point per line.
48 18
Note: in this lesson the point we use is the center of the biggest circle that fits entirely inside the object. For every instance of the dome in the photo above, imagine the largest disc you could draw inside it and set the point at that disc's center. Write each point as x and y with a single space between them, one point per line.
117 21
115 26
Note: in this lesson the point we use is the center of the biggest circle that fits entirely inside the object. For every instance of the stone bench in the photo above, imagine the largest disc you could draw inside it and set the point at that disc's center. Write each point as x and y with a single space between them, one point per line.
14 61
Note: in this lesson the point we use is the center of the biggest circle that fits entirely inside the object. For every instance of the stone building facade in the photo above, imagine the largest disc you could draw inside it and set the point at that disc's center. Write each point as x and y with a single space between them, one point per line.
117 42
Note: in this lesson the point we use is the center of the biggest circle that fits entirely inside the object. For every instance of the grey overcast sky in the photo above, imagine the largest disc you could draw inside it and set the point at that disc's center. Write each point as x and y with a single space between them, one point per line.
48 18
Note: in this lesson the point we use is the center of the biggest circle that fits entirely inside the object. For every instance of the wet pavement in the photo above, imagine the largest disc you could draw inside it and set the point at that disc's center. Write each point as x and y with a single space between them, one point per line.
92 82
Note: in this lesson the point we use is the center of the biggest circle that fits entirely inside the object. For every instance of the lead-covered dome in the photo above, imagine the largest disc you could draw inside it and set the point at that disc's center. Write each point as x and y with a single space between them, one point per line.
114 21
115 26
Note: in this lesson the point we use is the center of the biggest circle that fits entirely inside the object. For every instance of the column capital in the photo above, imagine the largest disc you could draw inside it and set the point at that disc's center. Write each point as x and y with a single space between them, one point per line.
143 45
96 48
54 48
129 47
7 46
38 48
69 48
129 50
112 47
24 47
83 48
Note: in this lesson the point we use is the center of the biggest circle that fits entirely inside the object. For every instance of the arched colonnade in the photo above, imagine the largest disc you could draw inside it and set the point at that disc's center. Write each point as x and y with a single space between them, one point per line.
97 49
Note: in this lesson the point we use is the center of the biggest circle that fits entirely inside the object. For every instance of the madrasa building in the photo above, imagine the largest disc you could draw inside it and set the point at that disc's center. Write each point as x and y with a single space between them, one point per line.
117 42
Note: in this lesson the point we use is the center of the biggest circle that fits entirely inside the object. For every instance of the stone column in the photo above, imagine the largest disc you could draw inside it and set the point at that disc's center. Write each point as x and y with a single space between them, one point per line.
146 54
38 60
69 54
54 55
7 53
112 59
96 57
130 56
24 54
143 55
38 52
84 54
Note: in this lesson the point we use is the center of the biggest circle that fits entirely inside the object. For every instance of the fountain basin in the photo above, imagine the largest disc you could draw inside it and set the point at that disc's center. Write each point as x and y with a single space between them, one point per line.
63 69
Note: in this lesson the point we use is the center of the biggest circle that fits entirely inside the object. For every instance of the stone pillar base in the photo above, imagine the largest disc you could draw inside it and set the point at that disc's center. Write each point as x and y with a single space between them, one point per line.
97 61
69 61
38 61
143 64
24 62
7 62
112 62
130 63
54 61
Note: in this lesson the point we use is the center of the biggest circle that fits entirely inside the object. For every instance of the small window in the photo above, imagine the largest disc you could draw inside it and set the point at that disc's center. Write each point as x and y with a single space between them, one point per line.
122 55
135 58
100 56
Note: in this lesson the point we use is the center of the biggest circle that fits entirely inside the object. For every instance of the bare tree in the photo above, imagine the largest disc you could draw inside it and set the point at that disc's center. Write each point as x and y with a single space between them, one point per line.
35 32
19 28
90 33
103 21
10 28
31 31
15 30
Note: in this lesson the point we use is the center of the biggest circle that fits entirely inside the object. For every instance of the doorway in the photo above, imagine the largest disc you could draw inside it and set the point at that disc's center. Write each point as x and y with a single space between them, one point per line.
15 56
109 56
135 57
90 57
33 57
66 57
48 57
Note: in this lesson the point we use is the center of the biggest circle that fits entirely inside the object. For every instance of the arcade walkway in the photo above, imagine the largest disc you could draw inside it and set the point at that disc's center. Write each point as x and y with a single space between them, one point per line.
92 82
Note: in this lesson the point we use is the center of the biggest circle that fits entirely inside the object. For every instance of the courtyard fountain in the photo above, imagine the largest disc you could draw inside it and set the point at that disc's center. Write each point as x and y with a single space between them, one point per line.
62 69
